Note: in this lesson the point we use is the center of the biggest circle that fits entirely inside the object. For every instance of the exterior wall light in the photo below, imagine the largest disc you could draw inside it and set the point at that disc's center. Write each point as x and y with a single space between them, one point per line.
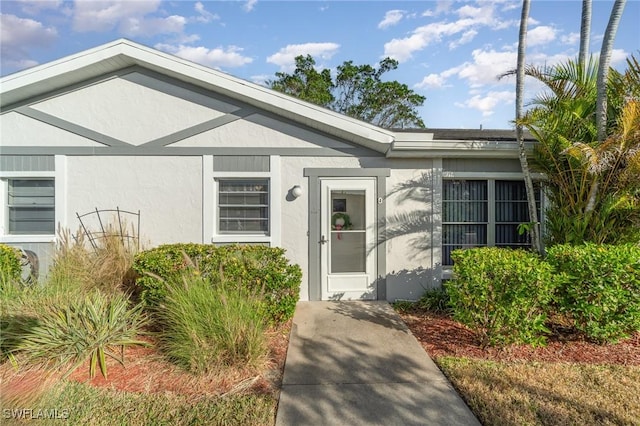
297 191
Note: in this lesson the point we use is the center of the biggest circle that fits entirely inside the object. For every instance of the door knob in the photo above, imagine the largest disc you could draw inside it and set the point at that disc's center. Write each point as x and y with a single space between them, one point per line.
323 240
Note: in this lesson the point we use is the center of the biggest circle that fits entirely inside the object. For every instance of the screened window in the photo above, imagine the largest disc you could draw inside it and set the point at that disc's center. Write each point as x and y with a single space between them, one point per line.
465 215
243 206
31 205
511 211
483 213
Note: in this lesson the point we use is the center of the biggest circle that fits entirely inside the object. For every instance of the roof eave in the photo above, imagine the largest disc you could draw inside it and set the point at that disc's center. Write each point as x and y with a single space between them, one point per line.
455 149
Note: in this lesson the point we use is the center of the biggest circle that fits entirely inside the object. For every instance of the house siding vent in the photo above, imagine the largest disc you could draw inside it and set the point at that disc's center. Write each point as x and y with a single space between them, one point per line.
241 163
27 163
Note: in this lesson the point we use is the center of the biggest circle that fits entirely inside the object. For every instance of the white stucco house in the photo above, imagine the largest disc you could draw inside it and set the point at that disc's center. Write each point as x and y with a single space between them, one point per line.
209 158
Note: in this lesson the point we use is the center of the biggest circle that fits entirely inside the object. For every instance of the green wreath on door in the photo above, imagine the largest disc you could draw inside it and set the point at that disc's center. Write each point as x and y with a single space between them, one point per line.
341 218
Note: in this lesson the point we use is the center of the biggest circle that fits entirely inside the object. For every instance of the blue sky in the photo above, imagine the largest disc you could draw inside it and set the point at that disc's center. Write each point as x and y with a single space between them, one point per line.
449 51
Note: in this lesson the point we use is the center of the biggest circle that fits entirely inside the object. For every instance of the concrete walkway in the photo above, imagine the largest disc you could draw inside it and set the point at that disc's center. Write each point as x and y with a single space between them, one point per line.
356 363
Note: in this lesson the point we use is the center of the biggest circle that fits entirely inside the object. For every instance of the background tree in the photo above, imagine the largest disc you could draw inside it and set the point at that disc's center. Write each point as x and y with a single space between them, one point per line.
357 91
306 83
593 187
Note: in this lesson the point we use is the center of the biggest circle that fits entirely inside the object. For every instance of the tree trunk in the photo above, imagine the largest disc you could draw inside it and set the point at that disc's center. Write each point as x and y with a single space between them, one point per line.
601 87
536 242
603 68
585 32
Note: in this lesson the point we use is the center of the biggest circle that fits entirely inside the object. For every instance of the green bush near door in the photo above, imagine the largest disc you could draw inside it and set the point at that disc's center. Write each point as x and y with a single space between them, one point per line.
259 269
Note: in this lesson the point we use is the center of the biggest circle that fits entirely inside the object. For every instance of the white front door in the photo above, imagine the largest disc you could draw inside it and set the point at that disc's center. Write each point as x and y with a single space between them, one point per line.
348 230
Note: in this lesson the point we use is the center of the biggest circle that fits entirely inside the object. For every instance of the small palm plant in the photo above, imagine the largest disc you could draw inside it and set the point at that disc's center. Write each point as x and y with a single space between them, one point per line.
89 328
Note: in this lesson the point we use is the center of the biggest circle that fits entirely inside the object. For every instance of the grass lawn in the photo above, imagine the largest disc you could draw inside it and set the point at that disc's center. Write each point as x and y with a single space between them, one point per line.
569 382
80 404
546 393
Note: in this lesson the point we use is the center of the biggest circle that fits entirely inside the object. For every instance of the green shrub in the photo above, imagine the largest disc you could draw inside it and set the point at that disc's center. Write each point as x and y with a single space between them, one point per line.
84 328
258 269
501 294
602 294
436 300
10 268
208 322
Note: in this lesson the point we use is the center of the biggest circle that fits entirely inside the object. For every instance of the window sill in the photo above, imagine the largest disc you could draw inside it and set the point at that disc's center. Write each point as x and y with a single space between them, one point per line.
447 272
27 238
241 238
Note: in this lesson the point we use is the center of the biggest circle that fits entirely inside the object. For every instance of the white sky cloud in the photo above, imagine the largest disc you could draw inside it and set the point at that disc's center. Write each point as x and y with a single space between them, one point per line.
205 15
128 17
486 104
470 20
434 81
442 6
570 39
466 37
541 35
18 36
249 5
285 58
391 18
147 27
486 66
531 22
219 57
33 7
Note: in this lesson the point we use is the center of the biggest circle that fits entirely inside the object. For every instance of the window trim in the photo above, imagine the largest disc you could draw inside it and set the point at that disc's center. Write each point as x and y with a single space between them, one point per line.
218 206
491 203
59 176
210 232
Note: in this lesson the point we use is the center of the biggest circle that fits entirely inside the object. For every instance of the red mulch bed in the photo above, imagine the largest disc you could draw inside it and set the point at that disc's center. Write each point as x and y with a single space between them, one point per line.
441 336
145 370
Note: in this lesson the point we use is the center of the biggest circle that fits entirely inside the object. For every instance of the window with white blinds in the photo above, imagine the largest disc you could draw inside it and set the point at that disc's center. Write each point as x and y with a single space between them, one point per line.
483 213
31 206
243 206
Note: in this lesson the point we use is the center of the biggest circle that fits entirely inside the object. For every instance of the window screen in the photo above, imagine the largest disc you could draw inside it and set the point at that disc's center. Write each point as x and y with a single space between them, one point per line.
512 210
467 220
464 215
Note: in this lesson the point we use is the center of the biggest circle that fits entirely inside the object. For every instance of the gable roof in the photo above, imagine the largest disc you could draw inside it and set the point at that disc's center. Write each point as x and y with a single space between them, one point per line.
124 53
121 54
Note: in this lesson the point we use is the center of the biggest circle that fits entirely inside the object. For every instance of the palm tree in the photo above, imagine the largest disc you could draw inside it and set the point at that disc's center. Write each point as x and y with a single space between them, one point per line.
603 67
536 241
585 31
603 72
579 169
